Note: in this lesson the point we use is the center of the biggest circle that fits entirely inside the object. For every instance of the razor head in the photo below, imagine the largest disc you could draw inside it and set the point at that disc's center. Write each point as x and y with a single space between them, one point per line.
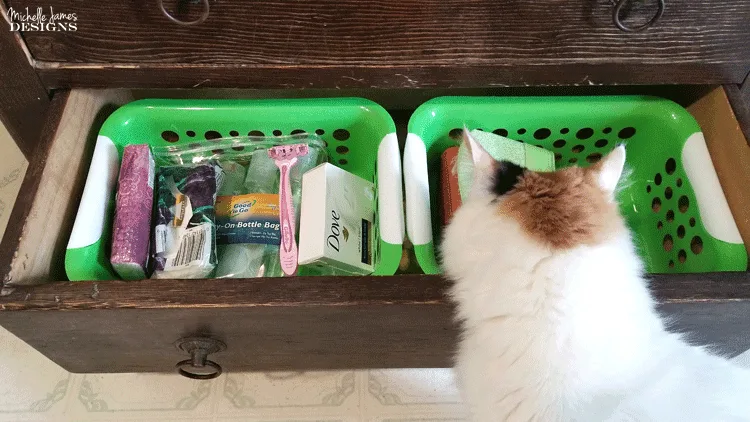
286 152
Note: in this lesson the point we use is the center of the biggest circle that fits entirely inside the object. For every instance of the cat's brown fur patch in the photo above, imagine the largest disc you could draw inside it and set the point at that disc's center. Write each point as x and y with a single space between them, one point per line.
563 209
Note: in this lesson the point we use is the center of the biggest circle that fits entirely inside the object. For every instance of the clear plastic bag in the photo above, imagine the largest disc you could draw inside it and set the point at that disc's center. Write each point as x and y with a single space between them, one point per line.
185 228
248 232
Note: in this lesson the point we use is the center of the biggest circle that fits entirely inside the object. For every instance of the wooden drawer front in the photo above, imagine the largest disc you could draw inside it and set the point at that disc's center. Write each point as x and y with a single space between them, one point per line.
694 41
294 323
286 324
271 324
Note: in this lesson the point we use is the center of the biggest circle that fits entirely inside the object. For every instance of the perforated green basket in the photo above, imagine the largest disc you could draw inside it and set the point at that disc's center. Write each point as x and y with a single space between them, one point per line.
360 137
674 203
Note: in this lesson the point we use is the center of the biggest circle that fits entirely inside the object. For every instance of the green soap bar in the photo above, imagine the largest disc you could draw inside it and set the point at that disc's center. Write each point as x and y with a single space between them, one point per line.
502 149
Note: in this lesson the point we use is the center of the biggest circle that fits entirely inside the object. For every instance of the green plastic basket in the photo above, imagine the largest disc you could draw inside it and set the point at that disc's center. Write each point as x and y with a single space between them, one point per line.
674 203
360 137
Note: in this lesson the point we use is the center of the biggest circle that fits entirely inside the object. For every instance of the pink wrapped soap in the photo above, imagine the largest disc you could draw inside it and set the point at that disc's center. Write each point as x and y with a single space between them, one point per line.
132 225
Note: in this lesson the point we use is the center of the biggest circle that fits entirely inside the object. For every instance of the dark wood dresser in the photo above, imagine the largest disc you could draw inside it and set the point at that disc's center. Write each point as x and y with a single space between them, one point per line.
56 88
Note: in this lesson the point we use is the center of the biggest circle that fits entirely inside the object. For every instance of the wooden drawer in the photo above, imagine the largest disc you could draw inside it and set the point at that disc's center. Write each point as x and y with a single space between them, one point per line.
390 43
291 323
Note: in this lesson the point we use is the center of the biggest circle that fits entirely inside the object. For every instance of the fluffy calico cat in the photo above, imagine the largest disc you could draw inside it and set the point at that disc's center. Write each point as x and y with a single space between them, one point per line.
558 324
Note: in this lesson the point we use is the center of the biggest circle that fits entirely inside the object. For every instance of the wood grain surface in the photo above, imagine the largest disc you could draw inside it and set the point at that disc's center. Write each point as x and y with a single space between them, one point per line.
305 77
55 181
258 339
744 89
289 323
391 32
30 185
413 289
391 43
740 102
238 293
24 101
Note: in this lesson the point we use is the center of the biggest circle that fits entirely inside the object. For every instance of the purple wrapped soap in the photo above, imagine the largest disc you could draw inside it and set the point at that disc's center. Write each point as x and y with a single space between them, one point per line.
132 226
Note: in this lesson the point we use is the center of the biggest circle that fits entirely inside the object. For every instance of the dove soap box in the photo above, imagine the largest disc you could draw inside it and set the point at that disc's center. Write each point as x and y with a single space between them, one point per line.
336 220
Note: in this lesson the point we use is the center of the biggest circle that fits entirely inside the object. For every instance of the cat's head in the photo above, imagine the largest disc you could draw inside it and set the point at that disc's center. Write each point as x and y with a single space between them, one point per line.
521 215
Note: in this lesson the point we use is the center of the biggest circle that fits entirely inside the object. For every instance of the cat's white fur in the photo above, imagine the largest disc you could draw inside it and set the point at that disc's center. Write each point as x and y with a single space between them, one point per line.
571 335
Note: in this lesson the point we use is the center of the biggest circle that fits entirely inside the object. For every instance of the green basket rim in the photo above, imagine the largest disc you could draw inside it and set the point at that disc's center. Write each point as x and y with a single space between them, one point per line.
480 100
125 112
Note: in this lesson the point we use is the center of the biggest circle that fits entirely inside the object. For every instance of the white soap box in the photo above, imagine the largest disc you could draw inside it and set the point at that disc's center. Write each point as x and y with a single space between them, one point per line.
336 220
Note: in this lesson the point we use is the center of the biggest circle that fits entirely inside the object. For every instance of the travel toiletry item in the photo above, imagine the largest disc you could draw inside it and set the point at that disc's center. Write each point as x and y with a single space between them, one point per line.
449 193
336 222
234 178
502 149
285 157
237 259
248 234
249 222
131 230
185 232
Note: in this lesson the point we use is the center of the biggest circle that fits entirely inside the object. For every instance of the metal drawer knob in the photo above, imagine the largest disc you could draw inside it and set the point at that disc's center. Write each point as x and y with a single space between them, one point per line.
201 19
618 9
198 366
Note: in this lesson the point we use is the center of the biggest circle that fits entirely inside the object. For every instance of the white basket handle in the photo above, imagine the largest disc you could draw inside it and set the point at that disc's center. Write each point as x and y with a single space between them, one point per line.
416 182
100 184
390 192
715 213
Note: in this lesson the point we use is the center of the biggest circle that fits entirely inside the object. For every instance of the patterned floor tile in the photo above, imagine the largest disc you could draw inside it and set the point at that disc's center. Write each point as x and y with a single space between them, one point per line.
412 394
141 397
398 387
265 419
289 394
419 419
30 383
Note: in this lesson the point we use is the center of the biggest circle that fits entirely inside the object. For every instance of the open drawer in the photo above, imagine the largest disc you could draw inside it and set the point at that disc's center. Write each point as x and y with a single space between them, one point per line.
294 323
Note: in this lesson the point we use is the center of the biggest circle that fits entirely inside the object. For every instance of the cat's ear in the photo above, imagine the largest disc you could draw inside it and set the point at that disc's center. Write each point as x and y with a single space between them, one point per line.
482 160
496 176
610 169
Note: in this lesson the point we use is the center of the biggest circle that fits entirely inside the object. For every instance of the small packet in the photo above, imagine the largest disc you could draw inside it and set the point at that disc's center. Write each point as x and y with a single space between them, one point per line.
185 231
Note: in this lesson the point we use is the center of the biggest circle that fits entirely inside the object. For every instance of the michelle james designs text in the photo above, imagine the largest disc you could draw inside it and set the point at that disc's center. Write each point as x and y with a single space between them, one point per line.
41 19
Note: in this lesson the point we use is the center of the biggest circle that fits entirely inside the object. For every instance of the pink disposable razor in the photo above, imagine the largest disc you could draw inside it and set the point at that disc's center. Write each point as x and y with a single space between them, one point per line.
285 156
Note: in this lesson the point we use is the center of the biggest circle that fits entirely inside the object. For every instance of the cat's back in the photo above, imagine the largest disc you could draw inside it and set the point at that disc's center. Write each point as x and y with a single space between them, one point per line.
692 385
